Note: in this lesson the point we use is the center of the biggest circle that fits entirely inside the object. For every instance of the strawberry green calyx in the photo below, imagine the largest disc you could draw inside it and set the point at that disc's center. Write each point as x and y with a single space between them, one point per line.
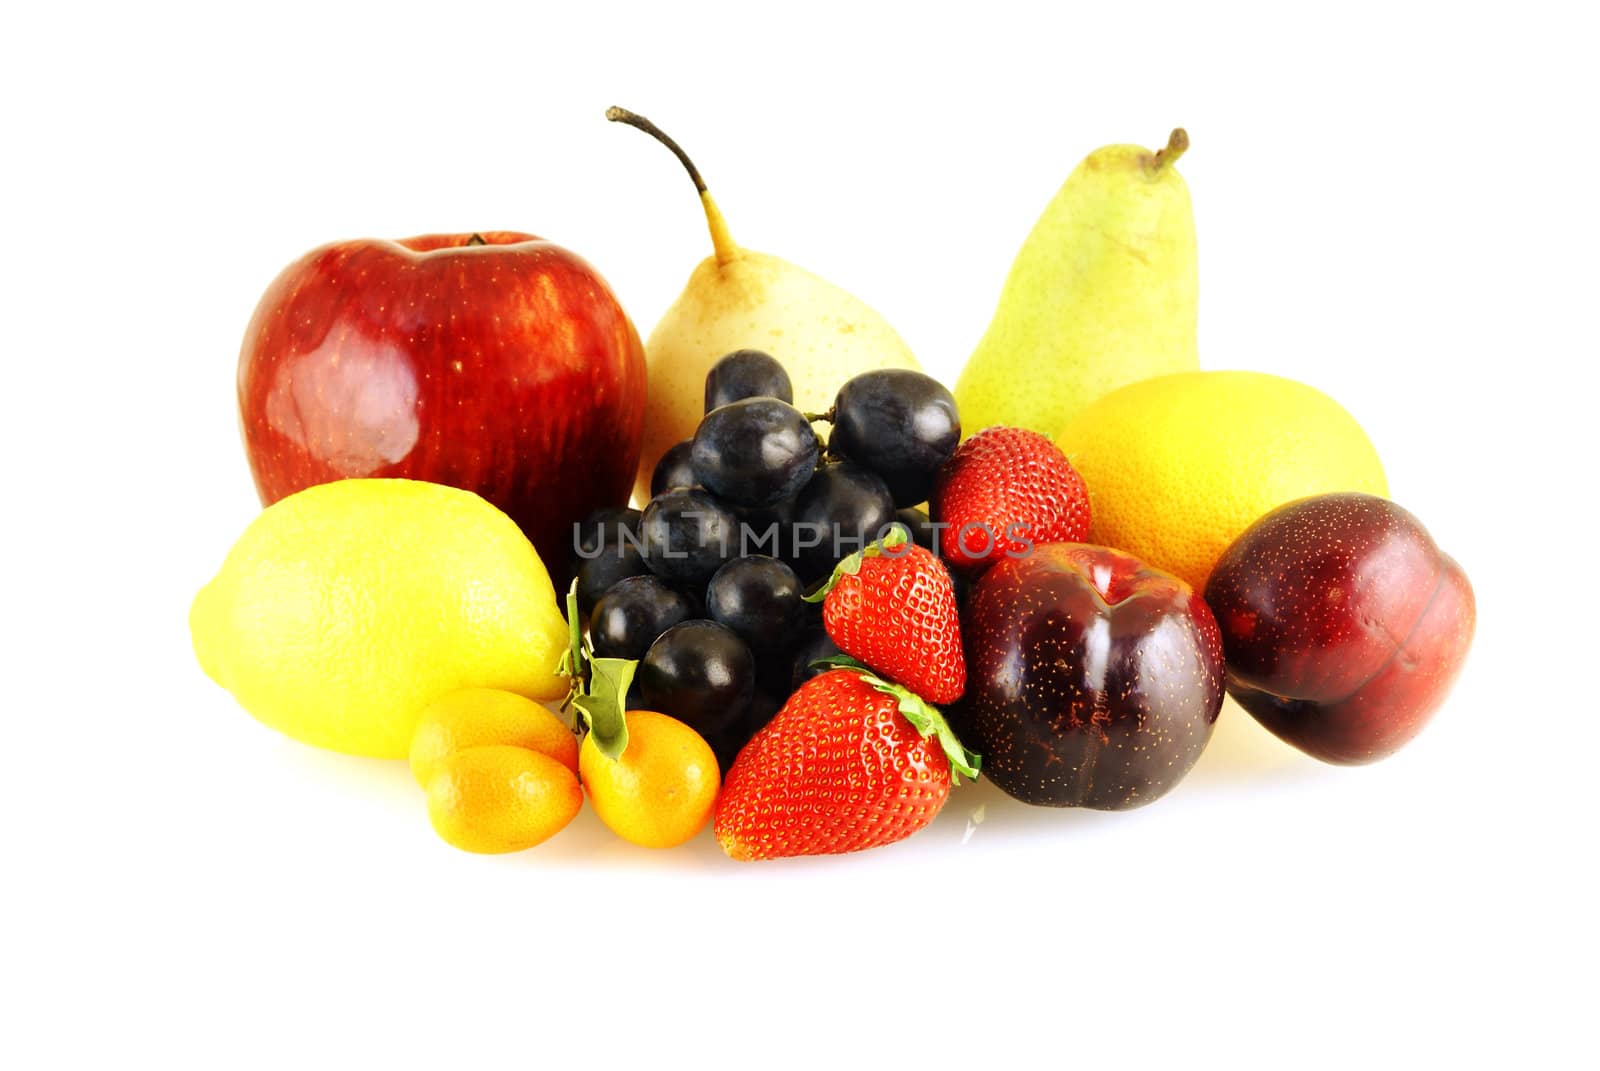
598 688
924 717
851 564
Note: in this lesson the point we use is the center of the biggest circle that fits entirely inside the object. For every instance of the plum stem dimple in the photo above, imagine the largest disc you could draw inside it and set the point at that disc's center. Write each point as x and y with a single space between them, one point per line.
722 243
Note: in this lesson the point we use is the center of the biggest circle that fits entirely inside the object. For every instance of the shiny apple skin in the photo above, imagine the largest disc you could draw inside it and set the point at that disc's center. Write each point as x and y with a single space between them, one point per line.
1093 680
507 368
1343 624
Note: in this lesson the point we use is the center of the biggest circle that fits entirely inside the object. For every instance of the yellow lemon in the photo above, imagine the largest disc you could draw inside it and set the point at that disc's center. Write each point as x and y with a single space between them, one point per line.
477 716
1178 466
662 790
501 799
345 609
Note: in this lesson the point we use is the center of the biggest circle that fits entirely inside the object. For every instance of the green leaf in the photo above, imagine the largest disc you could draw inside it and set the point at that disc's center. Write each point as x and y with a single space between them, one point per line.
850 565
604 706
598 687
926 719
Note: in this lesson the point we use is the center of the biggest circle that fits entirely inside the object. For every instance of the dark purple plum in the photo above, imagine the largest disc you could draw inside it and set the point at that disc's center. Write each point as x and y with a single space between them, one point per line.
1093 680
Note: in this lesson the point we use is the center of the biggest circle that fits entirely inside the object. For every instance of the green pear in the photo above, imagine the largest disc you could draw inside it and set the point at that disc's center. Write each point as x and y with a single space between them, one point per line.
1102 293
737 299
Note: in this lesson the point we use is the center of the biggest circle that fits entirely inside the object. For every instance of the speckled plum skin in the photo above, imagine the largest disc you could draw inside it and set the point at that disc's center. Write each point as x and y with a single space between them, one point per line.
1093 679
1343 624
498 362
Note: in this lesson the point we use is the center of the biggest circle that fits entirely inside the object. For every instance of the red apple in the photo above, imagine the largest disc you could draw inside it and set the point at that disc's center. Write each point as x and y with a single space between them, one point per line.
1343 624
1093 680
496 362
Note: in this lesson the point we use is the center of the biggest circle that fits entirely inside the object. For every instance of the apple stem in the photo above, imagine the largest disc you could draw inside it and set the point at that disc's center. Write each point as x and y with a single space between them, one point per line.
476 239
722 243
1177 145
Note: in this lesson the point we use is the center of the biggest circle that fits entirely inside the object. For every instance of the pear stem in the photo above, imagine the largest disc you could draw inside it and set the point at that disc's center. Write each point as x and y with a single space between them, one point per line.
722 242
1177 145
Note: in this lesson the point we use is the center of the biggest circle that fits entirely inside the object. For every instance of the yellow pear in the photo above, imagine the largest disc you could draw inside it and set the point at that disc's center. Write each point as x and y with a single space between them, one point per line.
1103 293
738 299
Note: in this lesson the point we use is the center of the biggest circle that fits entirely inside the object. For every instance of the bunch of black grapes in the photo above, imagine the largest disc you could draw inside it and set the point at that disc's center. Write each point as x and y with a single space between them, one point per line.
704 586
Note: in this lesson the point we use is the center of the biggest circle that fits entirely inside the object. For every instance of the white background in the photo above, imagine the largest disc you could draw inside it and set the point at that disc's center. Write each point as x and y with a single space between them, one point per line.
1397 206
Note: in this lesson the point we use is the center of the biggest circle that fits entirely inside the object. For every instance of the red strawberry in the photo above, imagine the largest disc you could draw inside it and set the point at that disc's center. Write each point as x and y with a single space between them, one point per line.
1004 491
892 606
850 762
